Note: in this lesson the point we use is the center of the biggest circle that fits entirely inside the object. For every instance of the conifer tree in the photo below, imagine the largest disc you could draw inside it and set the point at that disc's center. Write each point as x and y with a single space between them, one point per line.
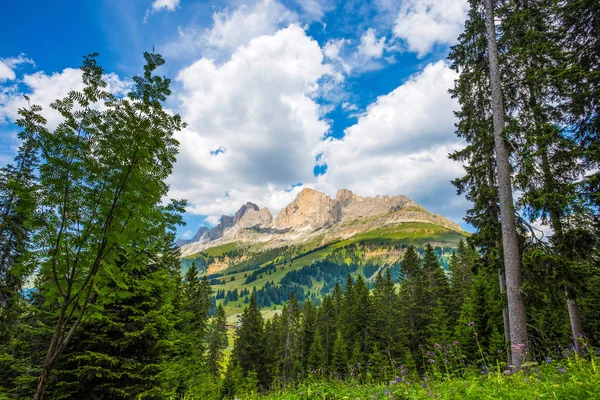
510 241
413 299
388 334
316 355
217 341
339 363
248 351
293 345
123 351
18 185
327 325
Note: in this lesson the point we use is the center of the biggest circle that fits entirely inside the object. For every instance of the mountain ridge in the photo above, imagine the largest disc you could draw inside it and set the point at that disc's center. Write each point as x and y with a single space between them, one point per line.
312 214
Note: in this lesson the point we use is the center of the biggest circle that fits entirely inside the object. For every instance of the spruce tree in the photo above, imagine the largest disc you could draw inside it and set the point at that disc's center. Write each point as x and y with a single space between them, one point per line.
316 355
248 351
217 342
339 363
123 351
18 186
510 240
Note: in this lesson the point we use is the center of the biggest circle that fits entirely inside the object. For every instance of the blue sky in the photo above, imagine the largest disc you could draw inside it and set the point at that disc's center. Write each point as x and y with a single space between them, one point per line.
279 95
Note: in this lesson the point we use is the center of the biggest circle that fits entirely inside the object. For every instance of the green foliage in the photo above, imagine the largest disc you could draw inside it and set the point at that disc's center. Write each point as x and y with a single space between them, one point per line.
570 378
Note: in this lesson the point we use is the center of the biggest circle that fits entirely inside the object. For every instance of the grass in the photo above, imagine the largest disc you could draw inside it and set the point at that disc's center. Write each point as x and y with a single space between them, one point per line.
570 378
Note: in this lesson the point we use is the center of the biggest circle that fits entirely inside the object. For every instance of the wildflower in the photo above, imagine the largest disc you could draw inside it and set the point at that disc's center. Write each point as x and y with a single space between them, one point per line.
561 369
484 369
499 351
548 360
485 353
471 323
508 372
430 361
424 385
420 346
455 343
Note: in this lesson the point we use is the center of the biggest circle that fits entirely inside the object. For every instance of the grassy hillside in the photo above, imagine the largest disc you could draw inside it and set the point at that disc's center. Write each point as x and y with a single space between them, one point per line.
243 267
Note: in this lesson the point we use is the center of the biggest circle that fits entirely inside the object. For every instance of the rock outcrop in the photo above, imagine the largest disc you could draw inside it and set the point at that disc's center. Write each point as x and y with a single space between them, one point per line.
311 211
250 215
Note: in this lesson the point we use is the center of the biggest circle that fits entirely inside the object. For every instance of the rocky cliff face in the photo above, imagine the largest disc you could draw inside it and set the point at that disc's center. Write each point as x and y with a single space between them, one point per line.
315 209
342 216
310 209
250 215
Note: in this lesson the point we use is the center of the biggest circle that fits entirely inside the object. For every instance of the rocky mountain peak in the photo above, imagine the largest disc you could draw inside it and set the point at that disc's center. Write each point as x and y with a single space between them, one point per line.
311 208
250 215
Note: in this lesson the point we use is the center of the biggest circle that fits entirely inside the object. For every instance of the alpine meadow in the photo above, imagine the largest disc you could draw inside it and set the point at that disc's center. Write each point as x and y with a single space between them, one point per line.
300 199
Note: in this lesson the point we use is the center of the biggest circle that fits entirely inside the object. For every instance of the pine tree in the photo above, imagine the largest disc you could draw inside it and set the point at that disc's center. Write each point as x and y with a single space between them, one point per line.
122 351
510 241
293 349
316 354
387 332
217 342
414 296
339 363
248 351
309 326
18 185
327 325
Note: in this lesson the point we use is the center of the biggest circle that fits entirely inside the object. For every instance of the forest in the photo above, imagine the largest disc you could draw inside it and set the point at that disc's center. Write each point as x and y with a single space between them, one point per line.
94 303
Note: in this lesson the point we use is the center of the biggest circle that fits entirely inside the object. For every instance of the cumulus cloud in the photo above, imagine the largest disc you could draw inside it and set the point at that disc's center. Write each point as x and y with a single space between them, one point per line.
400 145
232 29
160 5
357 56
168 5
421 24
259 108
370 46
7 66
42 89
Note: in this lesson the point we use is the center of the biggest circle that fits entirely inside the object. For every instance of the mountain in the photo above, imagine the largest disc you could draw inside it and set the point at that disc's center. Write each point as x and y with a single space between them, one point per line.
313 215
312 244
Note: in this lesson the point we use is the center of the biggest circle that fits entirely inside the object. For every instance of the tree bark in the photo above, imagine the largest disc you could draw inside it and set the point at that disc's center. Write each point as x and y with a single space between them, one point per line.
505 319
510 243
575 320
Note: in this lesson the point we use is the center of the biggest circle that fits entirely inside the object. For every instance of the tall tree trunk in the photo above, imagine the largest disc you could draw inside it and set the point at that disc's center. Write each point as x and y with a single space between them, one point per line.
510 243
505 319
575 320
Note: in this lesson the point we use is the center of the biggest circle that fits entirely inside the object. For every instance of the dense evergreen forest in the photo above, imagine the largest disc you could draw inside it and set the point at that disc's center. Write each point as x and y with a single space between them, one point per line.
94 303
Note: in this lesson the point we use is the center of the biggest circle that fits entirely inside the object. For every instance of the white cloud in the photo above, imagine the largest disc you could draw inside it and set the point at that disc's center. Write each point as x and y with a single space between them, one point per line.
168 5
7 66
350 57
400 145
232 29
333 50
258 106
42 89
315 9
424 23
159 5
370 46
